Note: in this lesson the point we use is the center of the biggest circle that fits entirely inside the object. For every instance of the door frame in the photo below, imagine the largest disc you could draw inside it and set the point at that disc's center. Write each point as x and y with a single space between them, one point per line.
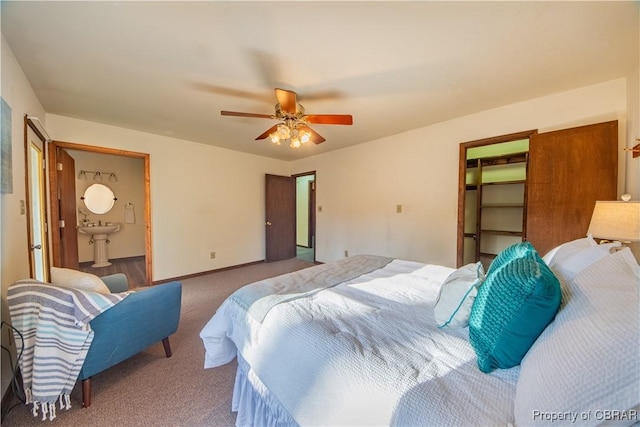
53 185
462 179
311 229
45 225
312 208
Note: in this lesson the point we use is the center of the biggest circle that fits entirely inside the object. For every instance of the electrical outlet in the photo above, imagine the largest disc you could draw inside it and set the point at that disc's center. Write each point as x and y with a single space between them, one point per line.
399 208
346 253
212 255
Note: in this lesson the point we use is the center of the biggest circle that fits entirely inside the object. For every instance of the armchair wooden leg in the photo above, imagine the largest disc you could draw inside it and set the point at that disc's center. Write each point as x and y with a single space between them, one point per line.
86 393
167 347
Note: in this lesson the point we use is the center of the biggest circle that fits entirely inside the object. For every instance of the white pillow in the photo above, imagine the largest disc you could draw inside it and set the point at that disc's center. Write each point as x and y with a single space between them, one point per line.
69 278
585 363
457 293
570 266
567 249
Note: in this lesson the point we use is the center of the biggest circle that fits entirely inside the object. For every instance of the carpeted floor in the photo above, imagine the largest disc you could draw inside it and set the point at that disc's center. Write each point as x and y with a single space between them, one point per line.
152 390
306 254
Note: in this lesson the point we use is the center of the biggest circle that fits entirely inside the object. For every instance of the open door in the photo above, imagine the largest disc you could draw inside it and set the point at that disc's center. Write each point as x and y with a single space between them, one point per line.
63 206
280 221
569 170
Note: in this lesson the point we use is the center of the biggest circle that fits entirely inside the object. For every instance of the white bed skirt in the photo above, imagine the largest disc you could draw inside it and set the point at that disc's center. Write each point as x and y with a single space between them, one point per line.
254 403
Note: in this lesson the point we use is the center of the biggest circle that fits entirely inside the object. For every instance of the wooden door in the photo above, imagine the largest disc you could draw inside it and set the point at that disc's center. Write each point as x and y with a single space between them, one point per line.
67 209
280 220
568 171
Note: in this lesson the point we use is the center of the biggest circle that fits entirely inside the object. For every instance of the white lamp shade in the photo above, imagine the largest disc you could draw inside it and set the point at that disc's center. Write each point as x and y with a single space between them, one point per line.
616 221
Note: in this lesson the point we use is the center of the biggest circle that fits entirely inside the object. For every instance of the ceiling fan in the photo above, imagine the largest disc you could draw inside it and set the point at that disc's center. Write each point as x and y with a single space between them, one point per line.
293 126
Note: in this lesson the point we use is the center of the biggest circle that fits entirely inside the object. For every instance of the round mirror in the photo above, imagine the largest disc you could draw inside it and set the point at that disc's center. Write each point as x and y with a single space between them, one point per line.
98 198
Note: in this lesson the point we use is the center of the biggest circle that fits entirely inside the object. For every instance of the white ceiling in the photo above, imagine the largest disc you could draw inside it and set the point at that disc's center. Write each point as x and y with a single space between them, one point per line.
168 68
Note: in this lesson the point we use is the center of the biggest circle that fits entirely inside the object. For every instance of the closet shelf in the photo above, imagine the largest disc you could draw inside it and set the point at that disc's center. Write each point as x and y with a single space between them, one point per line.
503 232
518 181
502 205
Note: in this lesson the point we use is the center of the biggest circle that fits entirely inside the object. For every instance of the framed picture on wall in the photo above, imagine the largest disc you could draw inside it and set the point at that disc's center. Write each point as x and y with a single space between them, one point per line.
6 179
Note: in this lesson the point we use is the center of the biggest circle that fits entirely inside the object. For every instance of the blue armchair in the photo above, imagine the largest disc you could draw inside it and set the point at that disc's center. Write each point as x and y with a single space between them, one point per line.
145 317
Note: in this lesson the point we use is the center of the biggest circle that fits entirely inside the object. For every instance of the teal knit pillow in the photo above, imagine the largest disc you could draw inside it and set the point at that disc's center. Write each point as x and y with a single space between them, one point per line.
517 301
509 254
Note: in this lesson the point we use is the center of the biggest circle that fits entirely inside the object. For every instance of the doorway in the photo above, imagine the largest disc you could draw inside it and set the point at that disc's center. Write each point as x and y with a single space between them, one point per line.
290 217
492 197
36 205
306 216
138 267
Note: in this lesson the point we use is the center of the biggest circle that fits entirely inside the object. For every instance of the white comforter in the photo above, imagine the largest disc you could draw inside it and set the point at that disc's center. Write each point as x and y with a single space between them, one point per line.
365 352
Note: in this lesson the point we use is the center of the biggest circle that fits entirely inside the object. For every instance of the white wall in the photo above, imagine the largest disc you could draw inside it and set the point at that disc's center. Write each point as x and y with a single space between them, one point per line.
17 92
14 263
360 186
203 198
633 129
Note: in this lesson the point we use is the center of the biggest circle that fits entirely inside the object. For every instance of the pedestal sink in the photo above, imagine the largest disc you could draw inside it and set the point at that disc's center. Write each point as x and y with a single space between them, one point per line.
99 234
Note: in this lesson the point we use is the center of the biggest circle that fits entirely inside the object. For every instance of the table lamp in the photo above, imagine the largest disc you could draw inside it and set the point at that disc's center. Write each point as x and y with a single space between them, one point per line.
616 221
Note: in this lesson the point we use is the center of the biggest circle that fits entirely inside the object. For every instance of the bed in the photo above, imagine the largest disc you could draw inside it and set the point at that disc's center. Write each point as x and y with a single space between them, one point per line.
370 340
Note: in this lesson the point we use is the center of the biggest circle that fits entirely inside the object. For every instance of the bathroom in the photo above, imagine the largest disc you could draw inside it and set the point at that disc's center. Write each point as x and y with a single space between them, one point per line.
125 248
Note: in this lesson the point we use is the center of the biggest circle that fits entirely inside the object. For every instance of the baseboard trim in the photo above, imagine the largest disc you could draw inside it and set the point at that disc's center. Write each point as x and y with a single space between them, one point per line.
204 273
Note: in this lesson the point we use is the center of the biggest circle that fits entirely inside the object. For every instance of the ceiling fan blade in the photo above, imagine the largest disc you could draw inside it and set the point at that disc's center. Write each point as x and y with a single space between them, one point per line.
329 119
226 91
235 113
316 138
267 132
287 100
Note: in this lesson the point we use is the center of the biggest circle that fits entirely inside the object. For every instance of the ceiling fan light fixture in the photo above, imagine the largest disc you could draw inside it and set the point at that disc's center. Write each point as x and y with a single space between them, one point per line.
275 138
295 143
284 132
304 137
289 132
293 126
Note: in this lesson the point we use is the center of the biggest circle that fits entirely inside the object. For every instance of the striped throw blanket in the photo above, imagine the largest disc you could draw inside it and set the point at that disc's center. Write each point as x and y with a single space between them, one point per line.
56 335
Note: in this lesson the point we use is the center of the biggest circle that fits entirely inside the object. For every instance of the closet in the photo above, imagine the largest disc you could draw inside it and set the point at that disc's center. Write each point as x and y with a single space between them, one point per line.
499 183
538 187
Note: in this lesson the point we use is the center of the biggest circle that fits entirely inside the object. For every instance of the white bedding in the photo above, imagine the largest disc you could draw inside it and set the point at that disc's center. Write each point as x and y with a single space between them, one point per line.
365 352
